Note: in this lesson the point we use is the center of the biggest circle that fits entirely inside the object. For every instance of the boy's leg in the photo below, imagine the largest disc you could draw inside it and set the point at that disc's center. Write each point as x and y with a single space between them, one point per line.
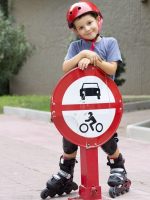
70 149
63 180
118 176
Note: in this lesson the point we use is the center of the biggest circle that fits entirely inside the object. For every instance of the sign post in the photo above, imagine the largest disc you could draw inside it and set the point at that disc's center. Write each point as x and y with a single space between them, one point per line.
89 188
86 109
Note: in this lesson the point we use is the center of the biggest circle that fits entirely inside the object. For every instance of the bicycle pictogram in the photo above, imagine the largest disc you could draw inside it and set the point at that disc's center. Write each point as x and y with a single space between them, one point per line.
84 127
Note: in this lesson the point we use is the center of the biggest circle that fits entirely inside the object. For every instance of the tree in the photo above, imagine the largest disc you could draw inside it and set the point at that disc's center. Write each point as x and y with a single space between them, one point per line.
121 69
4 7
14 51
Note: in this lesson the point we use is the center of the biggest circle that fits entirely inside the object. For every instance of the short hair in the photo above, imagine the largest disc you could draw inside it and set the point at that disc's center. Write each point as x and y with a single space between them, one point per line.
93 14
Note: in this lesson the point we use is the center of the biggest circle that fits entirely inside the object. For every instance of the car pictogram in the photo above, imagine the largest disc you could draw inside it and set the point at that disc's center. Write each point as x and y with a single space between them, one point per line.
89 89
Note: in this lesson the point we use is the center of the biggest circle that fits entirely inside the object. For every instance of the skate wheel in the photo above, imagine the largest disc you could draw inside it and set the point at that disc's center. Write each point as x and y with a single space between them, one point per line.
44 193
51 194
60 192
70 187
127 190
74 186
128 184
68 191
122 192
112 192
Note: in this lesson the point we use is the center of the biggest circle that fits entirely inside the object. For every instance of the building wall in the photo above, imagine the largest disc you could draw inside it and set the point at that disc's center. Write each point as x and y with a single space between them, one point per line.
46 28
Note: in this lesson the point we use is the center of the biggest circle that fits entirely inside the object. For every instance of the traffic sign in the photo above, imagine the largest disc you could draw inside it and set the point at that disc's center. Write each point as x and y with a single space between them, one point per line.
86 107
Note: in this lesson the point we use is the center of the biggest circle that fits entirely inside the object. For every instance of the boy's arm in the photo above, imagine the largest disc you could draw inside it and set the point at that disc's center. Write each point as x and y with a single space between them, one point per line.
86 56
90 57
108 67
73 62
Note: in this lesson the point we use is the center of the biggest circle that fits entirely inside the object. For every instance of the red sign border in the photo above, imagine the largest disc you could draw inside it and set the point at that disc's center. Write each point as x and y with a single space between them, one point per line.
56 107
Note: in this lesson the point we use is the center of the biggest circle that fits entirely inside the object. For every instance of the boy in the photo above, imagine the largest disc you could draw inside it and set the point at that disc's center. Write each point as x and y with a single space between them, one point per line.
85 19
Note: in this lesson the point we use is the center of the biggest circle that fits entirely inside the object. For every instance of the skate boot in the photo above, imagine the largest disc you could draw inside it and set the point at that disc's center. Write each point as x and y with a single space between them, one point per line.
118 181
62 182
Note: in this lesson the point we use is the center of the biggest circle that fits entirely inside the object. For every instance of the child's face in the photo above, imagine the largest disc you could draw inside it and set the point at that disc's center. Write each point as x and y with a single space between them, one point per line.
86 27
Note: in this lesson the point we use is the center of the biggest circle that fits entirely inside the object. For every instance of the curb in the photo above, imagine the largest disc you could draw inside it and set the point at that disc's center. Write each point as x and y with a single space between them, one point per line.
139 131
46 116
139 105
27 113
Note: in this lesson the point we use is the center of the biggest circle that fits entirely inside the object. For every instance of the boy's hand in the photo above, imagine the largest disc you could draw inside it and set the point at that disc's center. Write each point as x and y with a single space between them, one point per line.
83 63
92 56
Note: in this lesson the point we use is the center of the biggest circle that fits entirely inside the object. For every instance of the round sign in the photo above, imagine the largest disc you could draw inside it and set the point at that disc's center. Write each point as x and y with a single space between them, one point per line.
86 107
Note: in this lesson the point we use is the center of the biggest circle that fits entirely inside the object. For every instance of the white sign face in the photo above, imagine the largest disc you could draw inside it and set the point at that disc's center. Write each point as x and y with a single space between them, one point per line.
87 83
93 121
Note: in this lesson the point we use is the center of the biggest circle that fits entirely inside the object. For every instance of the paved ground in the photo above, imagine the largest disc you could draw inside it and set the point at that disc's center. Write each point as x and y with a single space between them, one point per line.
30 151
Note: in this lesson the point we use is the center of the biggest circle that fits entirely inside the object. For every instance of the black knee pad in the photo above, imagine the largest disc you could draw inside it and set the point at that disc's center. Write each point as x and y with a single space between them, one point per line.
111 145
69 147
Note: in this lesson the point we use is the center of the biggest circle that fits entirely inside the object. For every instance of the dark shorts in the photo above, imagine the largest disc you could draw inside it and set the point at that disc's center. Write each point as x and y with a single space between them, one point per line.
109 147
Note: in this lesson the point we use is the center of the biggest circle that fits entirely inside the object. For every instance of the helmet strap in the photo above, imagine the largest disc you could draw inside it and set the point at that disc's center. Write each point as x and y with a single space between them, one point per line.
92 47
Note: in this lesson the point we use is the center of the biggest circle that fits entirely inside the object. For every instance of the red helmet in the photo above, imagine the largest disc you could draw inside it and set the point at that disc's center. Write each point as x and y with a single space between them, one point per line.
81 8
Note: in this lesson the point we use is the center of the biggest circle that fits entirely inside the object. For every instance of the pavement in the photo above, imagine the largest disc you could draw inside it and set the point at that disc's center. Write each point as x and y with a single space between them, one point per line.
30 151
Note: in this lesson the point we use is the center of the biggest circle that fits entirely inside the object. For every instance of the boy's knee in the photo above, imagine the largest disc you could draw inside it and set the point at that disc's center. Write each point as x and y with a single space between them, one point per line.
69 147
110 146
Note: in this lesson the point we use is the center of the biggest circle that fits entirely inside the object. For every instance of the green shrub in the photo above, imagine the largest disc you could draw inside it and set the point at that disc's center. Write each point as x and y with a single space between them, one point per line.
14 50
120 69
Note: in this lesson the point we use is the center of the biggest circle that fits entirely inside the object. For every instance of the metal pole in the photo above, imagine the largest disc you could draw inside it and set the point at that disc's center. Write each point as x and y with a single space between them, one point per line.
89 188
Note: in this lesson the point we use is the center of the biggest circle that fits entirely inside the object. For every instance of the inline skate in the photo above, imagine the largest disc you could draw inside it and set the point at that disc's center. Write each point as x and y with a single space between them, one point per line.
62 182
118 181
